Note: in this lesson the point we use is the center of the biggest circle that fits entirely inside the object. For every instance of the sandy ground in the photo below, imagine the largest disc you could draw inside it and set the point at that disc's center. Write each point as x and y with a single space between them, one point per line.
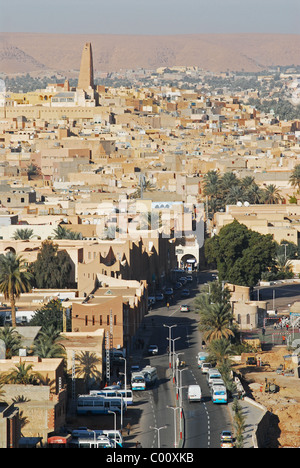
285 403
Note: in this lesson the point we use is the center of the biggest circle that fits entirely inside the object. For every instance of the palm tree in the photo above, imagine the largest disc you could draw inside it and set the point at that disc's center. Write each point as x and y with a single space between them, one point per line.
87 366
219 351
295 177
254 194
247 181
229 180
211 183
234 195
23 234
215 322
63 233
22 374
48 344
14 280
12 340
271 195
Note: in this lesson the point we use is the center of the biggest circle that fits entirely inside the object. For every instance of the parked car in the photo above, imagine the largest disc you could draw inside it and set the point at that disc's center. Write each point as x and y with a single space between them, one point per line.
151 300
184 308
185 293
159 297
152 349
189 278
169 291
177 285
183 280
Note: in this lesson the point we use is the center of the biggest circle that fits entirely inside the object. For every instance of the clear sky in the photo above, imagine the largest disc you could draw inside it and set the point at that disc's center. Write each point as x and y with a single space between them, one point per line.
150 16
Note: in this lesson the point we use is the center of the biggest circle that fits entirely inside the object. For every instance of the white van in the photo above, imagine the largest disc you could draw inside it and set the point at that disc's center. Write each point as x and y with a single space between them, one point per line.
194 393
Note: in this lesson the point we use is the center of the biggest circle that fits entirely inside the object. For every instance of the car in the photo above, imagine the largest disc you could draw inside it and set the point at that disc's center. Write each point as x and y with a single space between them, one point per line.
152 349
177 285
159 297
183 280
185 293
189 279
169 291
151 301
184 308
226 436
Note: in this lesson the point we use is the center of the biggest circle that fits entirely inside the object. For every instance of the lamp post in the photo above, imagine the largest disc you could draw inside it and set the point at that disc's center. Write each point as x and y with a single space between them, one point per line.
122 403
173 360
174 408
158 436
125 368
170 331
115 423
176 371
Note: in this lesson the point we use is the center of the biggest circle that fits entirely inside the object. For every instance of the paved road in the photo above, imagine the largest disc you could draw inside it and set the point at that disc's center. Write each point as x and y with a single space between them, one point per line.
203 421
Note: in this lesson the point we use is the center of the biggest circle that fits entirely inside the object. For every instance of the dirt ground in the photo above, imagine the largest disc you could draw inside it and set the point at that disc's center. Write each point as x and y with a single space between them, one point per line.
285 403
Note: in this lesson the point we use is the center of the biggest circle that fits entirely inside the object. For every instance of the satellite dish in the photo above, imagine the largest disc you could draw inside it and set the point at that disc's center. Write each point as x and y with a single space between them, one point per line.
239 203
246 203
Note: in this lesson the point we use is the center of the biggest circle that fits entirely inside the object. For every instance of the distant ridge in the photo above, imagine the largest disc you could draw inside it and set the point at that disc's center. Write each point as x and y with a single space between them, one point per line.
37 52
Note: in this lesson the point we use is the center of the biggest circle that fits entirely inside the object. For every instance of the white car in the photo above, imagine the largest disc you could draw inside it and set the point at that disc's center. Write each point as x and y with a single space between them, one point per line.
153 349
184 308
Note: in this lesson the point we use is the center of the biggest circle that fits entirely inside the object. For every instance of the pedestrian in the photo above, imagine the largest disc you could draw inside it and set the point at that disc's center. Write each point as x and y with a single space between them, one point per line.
128 427
283 339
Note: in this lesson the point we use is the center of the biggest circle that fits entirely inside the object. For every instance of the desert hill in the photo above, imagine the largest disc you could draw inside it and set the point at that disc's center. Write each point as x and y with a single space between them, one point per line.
34 52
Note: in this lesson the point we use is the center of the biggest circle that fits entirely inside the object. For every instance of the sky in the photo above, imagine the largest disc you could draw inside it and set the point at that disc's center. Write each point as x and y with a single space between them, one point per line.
153 17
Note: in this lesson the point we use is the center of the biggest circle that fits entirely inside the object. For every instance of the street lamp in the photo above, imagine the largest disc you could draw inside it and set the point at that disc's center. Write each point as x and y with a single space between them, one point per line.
158 437
170 330
115 424
174 408
125 367
122 403
173 361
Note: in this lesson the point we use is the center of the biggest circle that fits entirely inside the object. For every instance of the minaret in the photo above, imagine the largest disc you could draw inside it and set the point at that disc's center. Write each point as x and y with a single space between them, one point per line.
86 74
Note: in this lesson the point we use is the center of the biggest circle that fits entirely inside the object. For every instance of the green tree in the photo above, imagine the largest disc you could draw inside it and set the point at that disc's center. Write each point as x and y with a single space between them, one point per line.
87 367
215 322
240 254
22 374
14 280
271 195
62 232
23 234
212 183
52 268
12 340
295 177
48 343
50 316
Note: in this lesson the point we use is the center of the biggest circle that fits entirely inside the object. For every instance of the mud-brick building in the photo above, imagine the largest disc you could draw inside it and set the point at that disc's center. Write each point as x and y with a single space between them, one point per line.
43 407
10 427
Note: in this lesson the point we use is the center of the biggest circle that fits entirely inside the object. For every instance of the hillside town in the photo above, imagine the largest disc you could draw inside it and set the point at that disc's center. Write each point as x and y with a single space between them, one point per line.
108 190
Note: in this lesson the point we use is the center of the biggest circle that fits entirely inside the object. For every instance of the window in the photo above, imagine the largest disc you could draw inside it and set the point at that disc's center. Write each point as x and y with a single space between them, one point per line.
107 320
100 319
115 320
86 320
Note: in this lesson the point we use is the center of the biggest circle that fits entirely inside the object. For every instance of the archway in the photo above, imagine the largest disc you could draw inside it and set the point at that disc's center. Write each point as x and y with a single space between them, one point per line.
188 262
